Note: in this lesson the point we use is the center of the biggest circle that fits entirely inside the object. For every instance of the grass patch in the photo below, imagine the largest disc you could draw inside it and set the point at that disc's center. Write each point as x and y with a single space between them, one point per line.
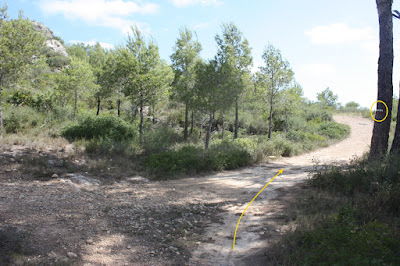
108 127
348 215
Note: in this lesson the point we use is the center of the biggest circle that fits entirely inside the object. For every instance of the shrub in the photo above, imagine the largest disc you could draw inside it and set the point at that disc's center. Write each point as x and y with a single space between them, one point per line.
379 180
19 119
106 127
186 160
334 130
228 155
318 114
160 139
101 146
278 145
60 113
190 159
342 241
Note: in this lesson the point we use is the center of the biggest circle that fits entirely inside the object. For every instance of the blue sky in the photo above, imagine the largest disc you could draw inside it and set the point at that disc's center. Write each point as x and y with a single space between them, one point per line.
328 43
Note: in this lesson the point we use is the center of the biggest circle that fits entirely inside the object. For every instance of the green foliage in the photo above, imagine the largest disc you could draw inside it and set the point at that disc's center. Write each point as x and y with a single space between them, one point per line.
187 160
334 130
19 43
19 98
55 59
79 50
363 229
229 154
352 105
191 160
342 241
20 119
363 177
317 114
160 139
108 146
327 98
106 127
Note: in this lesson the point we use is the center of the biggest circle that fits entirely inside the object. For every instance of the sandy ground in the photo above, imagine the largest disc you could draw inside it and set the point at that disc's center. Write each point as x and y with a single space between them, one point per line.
189 221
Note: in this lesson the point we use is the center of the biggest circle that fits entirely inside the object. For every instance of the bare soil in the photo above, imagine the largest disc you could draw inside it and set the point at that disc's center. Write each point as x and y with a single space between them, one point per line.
81 219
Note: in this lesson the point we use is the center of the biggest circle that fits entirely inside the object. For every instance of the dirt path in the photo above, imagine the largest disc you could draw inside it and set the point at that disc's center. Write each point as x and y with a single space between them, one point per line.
244 184
73 219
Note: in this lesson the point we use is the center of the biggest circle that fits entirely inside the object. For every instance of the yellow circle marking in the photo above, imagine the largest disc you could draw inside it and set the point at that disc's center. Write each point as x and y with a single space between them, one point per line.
387 111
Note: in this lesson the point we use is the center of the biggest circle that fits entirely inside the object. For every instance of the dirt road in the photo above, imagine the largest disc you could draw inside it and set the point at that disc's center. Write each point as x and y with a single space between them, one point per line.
73 219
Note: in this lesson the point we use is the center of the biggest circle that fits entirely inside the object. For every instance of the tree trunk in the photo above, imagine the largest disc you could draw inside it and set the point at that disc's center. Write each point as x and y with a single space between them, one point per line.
119 107
270 116
192 124
185 129
209 131
134 111
76 104
153 112
223 125
236 118
98 106
286 121
396 140
141 118
380 135
201 129
1 111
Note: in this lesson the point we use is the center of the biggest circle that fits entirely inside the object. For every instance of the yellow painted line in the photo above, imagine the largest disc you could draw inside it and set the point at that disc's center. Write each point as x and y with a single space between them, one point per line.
237 225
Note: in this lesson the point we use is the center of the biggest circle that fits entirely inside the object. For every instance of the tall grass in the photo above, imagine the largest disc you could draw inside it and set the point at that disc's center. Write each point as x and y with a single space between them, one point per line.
349 215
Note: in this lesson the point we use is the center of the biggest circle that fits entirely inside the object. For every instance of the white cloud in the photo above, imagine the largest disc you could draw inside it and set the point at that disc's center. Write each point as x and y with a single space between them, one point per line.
91 43
338 34
184 3
112 14
202 25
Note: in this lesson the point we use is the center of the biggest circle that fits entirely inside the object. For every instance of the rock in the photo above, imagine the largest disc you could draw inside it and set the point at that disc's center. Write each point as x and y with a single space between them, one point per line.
54 176
129 247
80 179
57 47
51 42
72 255
43 29
52 254
12 160
89 241
138 179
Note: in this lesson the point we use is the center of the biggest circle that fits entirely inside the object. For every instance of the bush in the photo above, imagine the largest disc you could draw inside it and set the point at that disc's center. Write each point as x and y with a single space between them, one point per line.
160 139
380 181
106 127
342 241
334 130
190 159
60 113
19 119
228 155
318 114
100 146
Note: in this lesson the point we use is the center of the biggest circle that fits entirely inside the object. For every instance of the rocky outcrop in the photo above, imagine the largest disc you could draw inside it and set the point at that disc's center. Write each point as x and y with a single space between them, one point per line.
51 42
57 46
